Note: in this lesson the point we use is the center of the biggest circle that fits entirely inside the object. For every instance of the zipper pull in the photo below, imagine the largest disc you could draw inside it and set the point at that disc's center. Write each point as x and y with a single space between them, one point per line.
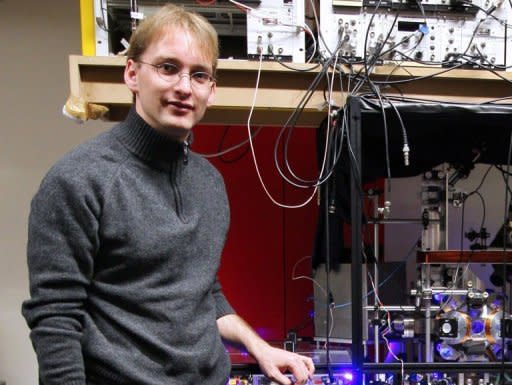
185 151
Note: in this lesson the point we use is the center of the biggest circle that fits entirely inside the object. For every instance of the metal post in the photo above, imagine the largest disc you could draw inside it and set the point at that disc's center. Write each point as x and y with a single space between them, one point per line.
376 324
354 132
427 300
376 279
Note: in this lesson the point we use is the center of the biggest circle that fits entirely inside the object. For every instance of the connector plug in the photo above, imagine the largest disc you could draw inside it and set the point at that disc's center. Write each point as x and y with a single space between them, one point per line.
406 150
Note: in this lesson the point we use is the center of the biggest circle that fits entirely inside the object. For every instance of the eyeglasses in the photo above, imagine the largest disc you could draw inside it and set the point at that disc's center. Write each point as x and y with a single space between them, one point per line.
171 73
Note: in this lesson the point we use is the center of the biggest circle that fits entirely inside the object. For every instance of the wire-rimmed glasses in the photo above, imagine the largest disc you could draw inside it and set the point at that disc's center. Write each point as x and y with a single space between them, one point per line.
171 73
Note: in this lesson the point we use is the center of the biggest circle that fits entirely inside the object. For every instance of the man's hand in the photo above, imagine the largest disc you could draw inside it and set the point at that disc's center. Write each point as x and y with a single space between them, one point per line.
274 362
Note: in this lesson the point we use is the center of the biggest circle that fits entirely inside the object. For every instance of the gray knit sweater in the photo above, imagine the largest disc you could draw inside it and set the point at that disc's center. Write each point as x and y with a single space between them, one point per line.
125 238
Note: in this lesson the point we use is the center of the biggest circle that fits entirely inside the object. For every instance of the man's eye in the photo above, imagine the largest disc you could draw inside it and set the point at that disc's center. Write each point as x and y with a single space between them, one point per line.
201 77
168 69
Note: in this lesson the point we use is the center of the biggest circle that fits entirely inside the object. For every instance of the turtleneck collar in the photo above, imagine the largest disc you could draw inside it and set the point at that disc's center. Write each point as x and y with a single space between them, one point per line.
147 143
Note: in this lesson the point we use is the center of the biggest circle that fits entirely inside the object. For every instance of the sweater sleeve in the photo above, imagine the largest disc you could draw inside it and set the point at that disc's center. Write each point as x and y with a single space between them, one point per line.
222 305
62 242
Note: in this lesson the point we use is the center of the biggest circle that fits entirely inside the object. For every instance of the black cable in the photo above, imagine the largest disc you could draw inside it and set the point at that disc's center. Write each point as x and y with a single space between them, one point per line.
381 54
423 62
457 65
221 145
473 36
491 67
298 69
493 101
367 79
354 167
378 53
402 125
493 72
291 122
404 81
504 173
404 131
333 147
335 141
484 177
220 152
367 34
484 211
386 139
455 279
301 180
488 12
482 200
461 239
413 100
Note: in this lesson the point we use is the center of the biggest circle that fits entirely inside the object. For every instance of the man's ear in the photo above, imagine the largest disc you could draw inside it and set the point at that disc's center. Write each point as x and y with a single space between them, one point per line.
211 97
131 75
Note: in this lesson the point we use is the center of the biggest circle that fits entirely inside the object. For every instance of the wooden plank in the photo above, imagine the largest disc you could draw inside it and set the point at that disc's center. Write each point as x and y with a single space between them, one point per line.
99 80
464 256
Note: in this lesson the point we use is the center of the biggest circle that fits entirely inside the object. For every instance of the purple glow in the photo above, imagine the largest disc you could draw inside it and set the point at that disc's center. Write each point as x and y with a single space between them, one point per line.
265 333
394 347
436 376
348 376
477 326
415 377
496 349
446 352
438 298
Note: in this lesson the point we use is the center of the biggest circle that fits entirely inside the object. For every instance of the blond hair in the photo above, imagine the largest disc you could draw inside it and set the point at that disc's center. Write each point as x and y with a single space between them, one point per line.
172 16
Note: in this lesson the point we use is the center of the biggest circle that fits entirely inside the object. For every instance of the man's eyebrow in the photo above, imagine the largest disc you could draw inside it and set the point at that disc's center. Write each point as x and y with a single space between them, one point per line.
163 59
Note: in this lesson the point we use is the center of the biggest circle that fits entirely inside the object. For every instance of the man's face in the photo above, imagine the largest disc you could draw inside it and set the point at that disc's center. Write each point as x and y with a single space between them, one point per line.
173 108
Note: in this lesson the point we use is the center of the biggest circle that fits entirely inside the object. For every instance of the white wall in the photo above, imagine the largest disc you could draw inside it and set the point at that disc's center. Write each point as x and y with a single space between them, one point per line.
35 39
405 203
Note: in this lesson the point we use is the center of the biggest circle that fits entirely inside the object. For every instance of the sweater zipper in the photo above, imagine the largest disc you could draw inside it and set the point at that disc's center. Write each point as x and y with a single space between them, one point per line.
185 151
178 199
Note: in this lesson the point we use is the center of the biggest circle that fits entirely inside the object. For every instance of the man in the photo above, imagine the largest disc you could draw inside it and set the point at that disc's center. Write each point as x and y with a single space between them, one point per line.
126 233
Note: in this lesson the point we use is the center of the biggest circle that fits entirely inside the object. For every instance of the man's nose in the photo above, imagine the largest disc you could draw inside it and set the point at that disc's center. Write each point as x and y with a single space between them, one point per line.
181 83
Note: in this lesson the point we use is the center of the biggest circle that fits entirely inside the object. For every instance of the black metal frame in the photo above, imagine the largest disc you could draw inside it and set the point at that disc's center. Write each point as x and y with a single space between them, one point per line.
359 367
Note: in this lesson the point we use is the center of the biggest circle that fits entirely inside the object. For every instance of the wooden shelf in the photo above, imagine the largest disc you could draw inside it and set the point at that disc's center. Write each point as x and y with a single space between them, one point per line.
465 256
99 80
